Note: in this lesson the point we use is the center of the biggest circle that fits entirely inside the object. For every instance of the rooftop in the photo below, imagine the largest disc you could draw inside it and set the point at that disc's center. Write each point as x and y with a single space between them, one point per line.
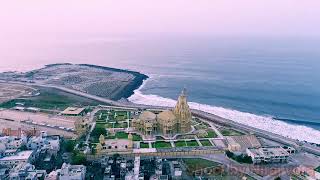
23 155
269 151
73 111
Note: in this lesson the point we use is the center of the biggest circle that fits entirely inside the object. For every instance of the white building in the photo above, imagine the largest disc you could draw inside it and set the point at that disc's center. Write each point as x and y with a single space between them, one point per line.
44 141
274 154
72 172
19 157
53 175
26 171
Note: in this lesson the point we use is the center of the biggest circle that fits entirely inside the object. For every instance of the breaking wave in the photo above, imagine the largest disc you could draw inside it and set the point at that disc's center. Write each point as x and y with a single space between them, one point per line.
299 132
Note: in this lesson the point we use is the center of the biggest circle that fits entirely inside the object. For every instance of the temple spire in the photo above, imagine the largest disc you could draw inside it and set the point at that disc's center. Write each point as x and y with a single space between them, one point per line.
184 92
183 113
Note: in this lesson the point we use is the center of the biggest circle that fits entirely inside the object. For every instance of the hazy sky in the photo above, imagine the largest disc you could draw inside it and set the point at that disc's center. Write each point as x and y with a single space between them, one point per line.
37 32
215 17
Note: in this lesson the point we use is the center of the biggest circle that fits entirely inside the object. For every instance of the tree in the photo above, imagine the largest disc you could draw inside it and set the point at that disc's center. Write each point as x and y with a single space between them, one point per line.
78 158
229 154
69 145
98 130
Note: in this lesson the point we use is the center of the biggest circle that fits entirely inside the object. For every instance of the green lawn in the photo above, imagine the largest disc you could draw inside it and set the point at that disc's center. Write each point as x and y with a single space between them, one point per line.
192 143
144 145
230 132
201 126
136 137
205 143
118 135
101 121
194 164
180 144
211 134
112 115
121 135
117 125
162 144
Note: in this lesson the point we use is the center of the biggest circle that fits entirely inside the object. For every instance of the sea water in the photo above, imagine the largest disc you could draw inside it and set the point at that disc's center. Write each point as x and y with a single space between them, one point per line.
249 80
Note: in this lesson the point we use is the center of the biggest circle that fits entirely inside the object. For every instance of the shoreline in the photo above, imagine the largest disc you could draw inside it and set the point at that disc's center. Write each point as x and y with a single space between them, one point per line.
125 92
302 132
122 92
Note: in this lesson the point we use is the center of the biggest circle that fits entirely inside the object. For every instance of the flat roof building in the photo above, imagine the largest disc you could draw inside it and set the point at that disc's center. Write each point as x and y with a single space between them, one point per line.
74 172
273 154
73 111
20 157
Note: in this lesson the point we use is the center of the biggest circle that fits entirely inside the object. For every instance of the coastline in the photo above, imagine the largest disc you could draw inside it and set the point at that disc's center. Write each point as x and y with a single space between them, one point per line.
131 87
122 92
270 124
132 92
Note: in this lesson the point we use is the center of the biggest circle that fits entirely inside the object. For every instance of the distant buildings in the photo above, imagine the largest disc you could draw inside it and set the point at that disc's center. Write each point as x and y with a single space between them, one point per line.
11 132
166 123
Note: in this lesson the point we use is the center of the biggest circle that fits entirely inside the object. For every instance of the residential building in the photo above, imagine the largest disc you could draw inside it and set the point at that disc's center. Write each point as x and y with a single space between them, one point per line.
26 171
72 172
19 157
44 141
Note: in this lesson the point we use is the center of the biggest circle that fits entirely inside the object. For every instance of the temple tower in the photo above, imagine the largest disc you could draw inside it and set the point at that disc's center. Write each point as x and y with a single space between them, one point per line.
183 113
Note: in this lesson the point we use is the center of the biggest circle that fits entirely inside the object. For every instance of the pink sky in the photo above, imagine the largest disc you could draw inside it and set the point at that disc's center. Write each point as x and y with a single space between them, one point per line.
37 32
229 17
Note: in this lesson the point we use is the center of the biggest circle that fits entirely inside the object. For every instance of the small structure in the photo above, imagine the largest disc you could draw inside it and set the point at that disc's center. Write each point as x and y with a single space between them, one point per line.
176 169
73 111
32 109
19 108
118 145
273 154
241 143
81 126
74 172
12 132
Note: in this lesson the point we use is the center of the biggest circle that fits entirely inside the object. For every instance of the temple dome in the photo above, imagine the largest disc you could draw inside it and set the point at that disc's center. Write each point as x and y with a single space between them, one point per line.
147 116
167 117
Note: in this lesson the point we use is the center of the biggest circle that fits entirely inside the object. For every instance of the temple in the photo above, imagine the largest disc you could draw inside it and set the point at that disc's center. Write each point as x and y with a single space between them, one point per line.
166 123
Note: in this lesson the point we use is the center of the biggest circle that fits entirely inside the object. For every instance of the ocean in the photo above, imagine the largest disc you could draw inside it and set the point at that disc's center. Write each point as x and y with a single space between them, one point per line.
253 81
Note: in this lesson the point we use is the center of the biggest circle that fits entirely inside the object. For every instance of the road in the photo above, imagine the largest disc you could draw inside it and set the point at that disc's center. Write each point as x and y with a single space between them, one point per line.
93 125
201 114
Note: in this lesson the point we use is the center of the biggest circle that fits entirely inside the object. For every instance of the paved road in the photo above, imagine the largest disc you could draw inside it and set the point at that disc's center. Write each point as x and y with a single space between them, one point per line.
262 133
210 117
93 125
